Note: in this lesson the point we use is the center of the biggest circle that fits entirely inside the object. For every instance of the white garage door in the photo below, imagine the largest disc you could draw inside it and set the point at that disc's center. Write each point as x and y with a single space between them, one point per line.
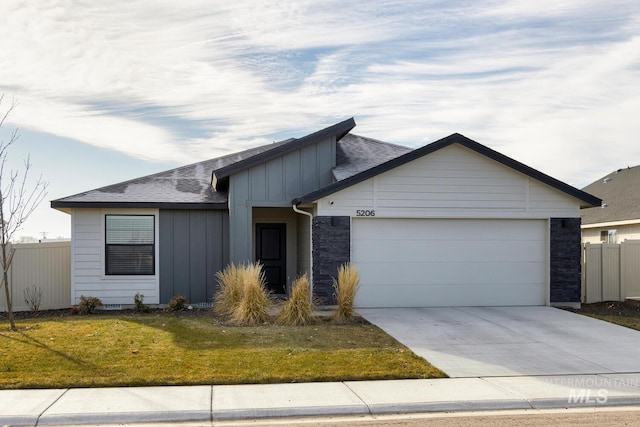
431 263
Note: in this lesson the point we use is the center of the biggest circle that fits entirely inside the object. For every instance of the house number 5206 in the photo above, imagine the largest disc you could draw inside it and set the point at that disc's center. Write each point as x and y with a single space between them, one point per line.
361 212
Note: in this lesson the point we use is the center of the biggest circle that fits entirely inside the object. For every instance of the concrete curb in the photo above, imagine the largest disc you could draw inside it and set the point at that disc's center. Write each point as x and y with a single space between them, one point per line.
260 401
129 405
285 400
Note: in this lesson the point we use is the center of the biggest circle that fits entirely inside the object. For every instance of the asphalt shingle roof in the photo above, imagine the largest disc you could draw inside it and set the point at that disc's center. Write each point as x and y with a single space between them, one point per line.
190 186
357 158
355 154
620 194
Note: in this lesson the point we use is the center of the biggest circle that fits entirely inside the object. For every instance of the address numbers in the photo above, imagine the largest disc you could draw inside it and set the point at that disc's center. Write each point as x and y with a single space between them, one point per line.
363 212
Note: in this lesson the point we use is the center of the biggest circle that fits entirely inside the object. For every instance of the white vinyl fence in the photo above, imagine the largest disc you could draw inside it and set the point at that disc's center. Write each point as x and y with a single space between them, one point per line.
40 266
611 272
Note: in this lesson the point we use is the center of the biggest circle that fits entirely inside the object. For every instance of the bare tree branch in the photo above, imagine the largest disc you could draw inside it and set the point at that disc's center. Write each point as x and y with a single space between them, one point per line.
18 200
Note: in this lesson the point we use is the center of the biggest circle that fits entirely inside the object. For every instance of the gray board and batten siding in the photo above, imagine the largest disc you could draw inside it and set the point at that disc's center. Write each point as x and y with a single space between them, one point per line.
194 246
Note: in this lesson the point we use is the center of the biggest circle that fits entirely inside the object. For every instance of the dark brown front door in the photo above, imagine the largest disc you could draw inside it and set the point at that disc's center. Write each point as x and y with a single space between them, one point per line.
271 252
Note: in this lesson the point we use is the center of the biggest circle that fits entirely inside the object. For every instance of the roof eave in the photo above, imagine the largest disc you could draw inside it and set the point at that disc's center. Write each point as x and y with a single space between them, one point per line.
611 223
65 206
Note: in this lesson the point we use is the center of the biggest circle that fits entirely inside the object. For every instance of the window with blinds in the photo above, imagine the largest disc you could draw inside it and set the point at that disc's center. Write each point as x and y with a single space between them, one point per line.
130 244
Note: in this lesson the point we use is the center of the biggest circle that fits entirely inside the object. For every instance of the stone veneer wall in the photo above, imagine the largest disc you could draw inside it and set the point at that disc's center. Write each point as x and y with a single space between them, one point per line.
331 248
565 261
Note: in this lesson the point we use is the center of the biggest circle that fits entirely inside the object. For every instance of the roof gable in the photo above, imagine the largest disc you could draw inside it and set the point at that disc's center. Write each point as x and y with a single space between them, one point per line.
339 130
587 199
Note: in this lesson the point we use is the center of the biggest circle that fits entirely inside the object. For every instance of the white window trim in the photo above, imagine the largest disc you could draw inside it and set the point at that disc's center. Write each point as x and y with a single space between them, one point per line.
103 260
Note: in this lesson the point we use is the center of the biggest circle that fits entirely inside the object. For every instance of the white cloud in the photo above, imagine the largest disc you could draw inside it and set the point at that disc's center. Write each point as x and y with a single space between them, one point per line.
114 133
527 78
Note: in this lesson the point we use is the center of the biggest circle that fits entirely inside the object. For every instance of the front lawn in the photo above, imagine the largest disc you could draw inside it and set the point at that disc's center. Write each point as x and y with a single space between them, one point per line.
165 349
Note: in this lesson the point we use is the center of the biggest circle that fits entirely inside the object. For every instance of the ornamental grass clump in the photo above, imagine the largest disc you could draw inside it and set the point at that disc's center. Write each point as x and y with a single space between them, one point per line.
299 308
229 295
346 287
254 305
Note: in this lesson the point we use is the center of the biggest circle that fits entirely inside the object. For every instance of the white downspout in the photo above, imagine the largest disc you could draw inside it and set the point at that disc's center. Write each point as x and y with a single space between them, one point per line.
310 215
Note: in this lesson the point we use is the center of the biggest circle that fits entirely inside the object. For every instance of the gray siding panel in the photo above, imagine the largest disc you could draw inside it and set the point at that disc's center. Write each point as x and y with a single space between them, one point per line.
181 277
198 256
275 179
193 247
218 249
258 182
292 175
326 156
239 214
309 168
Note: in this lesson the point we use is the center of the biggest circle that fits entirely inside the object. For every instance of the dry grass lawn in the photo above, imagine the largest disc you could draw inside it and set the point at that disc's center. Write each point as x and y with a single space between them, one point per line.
165 349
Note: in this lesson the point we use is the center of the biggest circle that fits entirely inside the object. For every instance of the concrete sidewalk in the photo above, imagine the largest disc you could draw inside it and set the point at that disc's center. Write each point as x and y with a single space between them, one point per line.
213 403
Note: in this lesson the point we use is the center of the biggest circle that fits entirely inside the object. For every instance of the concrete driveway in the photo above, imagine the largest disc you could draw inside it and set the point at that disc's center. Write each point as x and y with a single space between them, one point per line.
511 341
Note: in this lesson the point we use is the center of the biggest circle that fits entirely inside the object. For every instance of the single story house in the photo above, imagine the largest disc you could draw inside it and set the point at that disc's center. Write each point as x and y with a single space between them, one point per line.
618 218
453 223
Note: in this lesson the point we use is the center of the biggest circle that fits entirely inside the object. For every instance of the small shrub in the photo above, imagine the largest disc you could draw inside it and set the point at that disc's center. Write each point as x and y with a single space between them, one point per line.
140 306
33 297
346 287
254 305
88 305
298 309
229 295
178 303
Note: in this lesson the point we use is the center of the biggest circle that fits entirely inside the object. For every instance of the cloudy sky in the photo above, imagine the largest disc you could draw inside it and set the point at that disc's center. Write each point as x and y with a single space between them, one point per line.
113 90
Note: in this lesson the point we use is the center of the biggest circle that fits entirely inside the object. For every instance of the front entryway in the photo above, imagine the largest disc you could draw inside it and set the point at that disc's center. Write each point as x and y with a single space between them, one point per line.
271 252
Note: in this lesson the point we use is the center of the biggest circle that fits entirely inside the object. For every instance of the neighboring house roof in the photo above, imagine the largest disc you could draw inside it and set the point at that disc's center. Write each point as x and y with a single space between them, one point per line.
191 186
620 193
587 199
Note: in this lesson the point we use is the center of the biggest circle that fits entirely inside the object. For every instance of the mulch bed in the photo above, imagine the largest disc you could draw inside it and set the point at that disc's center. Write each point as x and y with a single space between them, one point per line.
629 308
323 316
126 312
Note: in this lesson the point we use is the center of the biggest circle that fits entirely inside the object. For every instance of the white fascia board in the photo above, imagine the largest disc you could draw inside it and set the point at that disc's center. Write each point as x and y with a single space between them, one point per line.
612 223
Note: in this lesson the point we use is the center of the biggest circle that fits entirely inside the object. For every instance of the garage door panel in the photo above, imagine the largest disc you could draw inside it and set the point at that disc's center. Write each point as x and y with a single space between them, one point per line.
411 273
441 296
448 229
446 262
445 251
